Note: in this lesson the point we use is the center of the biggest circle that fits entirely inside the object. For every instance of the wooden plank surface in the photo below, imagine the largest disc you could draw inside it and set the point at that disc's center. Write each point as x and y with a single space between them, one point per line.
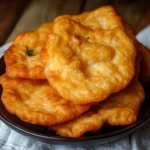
41 11
144 21
10 12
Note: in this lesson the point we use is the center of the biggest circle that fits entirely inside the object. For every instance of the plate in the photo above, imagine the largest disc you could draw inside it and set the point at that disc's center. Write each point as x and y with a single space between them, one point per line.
106 134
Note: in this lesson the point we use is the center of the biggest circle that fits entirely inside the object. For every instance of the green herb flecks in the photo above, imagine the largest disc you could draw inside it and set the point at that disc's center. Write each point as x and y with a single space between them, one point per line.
88 37
30 52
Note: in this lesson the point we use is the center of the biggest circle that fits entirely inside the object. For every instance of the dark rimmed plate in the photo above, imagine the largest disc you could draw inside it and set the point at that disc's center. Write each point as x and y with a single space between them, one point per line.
107 134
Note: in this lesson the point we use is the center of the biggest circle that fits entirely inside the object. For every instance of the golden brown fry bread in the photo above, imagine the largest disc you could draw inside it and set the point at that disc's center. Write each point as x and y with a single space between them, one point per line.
119 109
106 17
18 63
144 53
102 18
86 65
34 101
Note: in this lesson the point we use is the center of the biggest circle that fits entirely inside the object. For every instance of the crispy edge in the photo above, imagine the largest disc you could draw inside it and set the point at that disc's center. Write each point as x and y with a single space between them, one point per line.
54 79
94 119
105 112
11 99
15 69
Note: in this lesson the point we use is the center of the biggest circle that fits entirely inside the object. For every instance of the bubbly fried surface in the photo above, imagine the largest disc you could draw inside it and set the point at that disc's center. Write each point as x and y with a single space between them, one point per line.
104 17
119 109
18 63
34 101
86 65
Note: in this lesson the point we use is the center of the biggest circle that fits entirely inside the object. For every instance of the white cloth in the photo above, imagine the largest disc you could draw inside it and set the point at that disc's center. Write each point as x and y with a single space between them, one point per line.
139 140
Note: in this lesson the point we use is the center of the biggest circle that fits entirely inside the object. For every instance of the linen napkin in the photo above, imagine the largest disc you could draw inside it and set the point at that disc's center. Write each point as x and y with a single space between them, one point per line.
139 140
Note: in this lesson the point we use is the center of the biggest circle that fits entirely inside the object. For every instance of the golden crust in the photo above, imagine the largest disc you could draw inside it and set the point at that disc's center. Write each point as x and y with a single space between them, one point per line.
34 101
18 63
144 74
144 54
104 17
119 109
88 70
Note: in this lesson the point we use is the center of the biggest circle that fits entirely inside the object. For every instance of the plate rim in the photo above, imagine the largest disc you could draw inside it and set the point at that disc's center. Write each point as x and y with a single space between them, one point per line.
130 128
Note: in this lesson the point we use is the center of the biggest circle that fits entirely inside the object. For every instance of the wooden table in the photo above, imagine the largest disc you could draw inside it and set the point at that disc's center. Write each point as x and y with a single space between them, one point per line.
135 12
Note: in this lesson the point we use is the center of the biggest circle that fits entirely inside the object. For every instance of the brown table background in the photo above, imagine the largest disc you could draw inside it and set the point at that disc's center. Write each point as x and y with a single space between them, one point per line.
22 15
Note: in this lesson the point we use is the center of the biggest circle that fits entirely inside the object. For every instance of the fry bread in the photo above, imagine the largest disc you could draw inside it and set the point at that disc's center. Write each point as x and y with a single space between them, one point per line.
119 109
34 101
144 54
144 74
86 65
86 58
18 63
106 17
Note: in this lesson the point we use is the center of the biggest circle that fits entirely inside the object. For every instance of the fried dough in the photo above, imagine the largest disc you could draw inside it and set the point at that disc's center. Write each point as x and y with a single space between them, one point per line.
144 74
106 17
119 109
145 56
86 65
18 63
34 101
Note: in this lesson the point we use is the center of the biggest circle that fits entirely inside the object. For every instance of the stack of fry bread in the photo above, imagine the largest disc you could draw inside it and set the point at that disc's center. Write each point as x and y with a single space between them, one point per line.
76 74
